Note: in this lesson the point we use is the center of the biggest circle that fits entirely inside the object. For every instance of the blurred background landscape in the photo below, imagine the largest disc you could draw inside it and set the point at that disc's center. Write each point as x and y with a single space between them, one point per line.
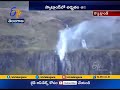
29 48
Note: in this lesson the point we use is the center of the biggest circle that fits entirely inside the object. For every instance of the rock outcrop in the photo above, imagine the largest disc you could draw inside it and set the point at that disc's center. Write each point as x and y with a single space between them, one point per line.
47 62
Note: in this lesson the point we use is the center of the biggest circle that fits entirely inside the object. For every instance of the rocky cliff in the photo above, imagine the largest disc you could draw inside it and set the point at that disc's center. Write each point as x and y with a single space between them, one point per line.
47 62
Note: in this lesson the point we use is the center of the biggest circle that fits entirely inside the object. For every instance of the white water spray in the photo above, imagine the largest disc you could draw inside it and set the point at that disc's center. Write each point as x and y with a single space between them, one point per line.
93 33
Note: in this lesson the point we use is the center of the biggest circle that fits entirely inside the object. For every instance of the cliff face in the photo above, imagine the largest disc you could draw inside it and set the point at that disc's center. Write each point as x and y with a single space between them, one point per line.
93 62
47 62
28 62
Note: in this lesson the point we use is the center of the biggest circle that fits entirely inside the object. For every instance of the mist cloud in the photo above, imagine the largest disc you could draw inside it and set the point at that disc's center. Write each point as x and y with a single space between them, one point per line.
90 34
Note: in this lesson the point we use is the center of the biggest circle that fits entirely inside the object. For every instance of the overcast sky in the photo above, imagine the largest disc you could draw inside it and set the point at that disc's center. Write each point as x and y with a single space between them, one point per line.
10 4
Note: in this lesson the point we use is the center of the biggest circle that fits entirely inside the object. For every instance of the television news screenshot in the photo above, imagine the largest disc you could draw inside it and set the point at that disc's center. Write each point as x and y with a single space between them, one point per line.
59 44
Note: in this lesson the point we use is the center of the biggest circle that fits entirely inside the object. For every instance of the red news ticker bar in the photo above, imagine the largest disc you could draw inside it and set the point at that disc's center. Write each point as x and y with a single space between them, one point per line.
106 13
114 13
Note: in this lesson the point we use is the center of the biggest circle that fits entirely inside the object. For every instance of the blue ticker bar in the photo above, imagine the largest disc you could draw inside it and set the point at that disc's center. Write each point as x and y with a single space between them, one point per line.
55 84
87 5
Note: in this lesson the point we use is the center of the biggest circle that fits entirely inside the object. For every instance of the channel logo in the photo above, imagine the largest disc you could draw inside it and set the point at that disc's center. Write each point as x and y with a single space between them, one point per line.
37 77
94 77
15 12
63 77
8 77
